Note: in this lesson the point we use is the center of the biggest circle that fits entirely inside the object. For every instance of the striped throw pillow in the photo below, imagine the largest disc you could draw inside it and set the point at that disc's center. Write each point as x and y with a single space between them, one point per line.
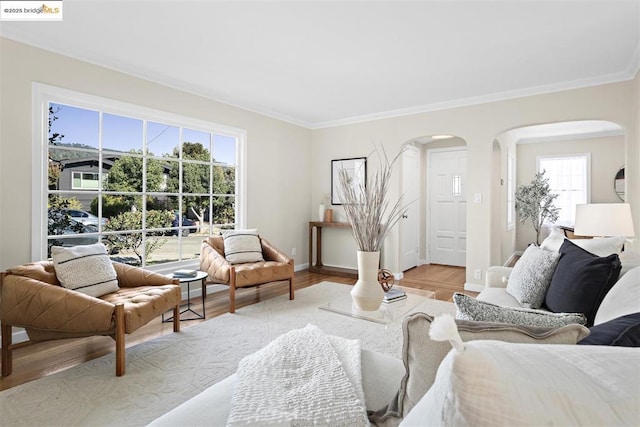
242 246
85 269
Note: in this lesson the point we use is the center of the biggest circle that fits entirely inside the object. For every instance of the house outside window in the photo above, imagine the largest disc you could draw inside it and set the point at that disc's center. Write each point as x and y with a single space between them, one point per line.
153 184
569 178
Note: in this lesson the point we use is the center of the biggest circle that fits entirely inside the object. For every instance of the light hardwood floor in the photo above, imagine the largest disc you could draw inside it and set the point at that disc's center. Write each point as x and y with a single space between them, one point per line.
38 360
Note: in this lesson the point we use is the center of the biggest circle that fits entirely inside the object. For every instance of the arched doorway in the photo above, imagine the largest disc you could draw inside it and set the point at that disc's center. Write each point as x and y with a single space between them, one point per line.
604 141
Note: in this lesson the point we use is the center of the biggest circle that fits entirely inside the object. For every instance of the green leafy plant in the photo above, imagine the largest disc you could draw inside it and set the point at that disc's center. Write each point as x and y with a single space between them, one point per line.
535 202
366 205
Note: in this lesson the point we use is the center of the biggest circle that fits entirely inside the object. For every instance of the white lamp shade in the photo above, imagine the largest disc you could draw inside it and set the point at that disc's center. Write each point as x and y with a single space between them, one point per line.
604 219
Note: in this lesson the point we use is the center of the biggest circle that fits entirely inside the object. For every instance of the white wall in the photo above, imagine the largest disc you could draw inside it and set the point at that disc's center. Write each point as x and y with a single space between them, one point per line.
478 125
278 188
607 157
283 195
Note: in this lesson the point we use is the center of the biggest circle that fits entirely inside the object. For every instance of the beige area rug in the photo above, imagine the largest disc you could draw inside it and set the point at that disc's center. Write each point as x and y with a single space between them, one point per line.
164 372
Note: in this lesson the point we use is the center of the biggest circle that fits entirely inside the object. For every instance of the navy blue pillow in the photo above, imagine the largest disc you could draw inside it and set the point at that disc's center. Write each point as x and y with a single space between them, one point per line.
622 331
580 281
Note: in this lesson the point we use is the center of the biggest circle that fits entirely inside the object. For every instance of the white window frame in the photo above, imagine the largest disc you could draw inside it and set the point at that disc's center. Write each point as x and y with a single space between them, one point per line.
587 158
43 94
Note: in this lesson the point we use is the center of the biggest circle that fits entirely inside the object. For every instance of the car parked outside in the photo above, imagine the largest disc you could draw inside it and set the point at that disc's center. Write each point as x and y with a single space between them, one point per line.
190 226
77 229
84 217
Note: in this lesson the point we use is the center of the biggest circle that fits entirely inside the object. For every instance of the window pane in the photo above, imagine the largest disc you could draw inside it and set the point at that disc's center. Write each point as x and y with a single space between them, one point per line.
72 126
195 178
224 180
194 213
568 179
158 174
196 145
224 149
121 134
223 210
125 175
162 140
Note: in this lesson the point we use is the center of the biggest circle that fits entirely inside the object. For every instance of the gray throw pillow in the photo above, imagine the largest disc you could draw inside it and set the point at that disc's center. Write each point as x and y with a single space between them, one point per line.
422 356
531 276
469 308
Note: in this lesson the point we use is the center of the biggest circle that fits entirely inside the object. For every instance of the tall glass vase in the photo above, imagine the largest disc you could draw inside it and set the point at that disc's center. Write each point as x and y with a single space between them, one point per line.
367 293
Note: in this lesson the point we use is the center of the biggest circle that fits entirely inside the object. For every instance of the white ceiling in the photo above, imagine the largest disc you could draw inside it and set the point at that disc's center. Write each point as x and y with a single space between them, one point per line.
324 63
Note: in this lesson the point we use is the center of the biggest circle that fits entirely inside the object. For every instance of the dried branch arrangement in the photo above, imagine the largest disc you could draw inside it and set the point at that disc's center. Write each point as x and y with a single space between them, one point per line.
366 205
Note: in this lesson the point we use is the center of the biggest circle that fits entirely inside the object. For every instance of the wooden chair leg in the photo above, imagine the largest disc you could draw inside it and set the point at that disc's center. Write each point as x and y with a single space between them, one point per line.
120 347
176 318
291 289
232 291
7 356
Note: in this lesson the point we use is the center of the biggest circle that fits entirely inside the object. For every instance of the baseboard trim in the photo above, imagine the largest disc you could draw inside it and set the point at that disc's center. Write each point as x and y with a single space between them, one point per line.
473 287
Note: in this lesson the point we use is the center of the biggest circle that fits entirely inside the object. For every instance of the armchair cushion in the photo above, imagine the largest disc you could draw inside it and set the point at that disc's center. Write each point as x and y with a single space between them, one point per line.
241 246
85 268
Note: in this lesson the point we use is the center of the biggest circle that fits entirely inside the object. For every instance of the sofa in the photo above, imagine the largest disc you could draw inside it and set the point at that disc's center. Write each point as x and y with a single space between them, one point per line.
583 265
411 391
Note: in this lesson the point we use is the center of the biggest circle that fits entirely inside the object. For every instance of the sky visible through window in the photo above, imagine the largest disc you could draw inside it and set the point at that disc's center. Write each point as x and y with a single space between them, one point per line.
122 134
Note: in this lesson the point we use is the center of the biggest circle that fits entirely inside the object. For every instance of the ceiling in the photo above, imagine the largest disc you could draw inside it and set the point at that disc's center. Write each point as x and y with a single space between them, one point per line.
326 63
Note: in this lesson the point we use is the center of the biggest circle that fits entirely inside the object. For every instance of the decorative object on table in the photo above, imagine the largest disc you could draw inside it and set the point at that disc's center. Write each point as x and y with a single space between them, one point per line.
367 210
184 273
328 215
356 170
321 211
386 279
535 202
393 295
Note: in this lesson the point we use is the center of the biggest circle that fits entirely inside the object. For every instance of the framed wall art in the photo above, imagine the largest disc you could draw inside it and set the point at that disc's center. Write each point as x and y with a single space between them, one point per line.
356 169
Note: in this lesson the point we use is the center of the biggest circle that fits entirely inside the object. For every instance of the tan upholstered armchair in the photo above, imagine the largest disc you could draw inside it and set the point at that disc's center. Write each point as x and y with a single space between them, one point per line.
277 266
32 298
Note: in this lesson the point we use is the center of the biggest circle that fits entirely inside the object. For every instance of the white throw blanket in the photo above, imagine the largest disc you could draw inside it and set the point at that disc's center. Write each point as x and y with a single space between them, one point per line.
302 378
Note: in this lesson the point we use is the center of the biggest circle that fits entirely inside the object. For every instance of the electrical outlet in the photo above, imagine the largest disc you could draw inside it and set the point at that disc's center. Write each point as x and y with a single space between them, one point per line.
477 274
293 252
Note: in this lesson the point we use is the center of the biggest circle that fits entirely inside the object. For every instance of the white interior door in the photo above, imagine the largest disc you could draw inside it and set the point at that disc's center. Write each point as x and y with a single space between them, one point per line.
447 216
410 223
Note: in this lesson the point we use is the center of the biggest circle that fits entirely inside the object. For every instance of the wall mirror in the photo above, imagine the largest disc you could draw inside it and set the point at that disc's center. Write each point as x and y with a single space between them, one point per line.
618 184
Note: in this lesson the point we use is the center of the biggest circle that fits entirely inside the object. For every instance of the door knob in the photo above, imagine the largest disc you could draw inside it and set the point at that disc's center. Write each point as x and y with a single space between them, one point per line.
405 216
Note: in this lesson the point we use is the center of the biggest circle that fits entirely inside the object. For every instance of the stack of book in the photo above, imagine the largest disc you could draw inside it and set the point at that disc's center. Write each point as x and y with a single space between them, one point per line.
393 295
181 274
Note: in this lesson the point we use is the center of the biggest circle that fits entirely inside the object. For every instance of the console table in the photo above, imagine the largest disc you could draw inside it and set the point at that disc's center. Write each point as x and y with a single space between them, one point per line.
318 267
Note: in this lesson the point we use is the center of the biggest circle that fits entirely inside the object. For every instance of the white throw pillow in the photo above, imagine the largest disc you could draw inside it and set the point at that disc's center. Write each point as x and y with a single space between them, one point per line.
604 246
622 299
85 269
242 246
598 246
531 276
553 241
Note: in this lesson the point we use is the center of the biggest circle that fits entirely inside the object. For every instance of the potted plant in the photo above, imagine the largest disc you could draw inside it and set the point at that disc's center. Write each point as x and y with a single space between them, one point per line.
371 217
535 202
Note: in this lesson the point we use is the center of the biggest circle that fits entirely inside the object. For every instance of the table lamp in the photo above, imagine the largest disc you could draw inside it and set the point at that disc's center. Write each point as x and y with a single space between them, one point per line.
604 219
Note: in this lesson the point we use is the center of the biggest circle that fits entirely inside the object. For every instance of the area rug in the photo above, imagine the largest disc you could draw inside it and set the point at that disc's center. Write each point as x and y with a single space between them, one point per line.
164 372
